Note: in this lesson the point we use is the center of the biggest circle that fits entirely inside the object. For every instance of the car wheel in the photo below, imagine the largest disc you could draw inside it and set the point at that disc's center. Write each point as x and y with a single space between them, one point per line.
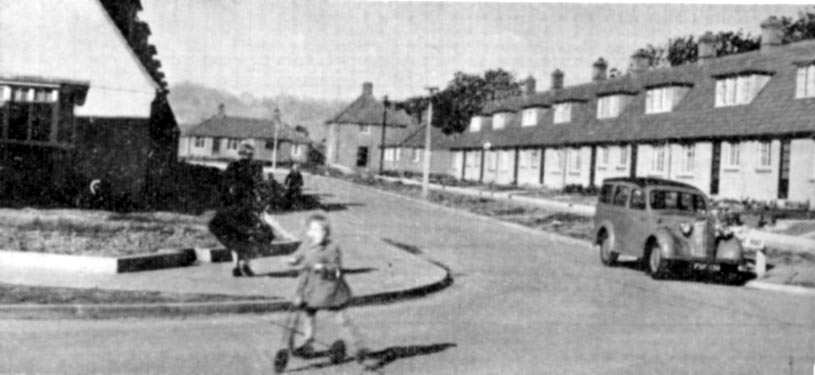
607 257
729 273
656 265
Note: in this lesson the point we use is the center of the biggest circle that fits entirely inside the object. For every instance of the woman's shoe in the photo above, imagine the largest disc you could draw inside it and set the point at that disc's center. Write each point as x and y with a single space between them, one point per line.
236 272
246 271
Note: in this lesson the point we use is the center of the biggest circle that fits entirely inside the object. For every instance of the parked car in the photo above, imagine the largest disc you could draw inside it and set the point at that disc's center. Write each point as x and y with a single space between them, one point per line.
664 224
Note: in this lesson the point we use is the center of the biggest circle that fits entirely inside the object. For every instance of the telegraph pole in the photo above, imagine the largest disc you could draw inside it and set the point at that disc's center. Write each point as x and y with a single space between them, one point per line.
426 169
385 104
275 121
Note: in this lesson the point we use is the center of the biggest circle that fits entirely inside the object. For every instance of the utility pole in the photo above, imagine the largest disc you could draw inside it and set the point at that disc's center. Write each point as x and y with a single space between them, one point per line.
426 169
275 122
385 104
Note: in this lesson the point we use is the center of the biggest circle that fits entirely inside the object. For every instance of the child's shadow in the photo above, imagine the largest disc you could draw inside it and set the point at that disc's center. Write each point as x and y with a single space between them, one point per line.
387 356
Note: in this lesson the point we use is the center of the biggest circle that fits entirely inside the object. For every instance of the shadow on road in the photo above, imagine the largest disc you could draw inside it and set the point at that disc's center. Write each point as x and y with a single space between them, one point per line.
403 246
293 273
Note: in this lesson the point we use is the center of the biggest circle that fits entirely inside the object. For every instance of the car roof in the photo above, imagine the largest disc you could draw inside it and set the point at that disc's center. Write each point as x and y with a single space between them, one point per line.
644 182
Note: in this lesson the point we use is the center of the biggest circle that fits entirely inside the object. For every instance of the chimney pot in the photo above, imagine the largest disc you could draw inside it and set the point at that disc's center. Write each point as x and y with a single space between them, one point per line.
529 85
640 61
557 79
772 32
707 46
599 70
221 110
368 89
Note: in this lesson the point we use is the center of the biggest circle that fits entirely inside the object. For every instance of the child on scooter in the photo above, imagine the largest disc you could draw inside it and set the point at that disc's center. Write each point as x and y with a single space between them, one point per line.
321 285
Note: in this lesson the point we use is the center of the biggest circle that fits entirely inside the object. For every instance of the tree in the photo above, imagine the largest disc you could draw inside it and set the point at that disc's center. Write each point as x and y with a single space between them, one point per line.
800 29
465 95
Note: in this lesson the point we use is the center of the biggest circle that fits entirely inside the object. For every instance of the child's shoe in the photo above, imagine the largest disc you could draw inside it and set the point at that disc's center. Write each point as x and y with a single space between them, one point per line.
361 354
236 272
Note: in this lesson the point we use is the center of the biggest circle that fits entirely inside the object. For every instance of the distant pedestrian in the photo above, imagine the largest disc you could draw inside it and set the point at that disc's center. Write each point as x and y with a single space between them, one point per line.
242 178
321 285
294 186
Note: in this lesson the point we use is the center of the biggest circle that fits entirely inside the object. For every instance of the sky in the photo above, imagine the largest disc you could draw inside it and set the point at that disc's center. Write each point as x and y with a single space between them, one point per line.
327 49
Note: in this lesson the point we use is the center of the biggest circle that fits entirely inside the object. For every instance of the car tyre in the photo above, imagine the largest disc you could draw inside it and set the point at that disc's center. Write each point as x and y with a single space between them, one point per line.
729 273
655 264
607 257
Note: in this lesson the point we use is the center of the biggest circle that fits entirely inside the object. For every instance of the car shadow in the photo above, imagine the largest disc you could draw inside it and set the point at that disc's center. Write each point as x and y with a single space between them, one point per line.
378 360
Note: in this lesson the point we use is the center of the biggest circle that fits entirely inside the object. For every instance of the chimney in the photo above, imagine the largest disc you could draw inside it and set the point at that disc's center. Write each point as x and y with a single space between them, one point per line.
640 61
368 89
772 30
529 85
598 72
557 79
707 47
221 110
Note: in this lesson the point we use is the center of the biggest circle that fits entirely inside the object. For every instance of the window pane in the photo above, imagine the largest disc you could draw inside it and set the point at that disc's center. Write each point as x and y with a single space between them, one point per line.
810 81
800 83
42 117
18 121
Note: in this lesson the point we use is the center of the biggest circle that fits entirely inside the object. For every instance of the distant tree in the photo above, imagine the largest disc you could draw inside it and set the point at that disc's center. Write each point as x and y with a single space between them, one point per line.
656 55
463 96
683 50
799 29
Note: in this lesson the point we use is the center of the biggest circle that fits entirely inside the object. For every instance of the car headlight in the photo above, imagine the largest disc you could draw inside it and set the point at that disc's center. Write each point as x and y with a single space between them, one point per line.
686 228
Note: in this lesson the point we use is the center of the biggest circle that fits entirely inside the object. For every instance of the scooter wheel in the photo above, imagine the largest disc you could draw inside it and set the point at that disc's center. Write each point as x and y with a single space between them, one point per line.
281 359
337 351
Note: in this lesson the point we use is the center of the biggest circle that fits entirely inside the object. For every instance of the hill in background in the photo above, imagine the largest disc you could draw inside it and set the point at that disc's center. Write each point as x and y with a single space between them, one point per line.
193 103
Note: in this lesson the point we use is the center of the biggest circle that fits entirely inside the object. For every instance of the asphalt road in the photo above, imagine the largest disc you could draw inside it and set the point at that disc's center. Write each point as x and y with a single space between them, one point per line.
521 304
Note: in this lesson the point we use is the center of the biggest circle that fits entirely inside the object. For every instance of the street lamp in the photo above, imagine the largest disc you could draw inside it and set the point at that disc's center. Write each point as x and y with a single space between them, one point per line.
385 104
426 169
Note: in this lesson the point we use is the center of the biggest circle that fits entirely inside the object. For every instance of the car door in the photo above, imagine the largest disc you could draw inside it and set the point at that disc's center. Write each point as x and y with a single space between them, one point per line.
638 226
620 218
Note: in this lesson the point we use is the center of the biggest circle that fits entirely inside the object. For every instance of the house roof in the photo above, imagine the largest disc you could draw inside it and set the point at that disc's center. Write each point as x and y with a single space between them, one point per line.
773 111
366 110
244 127
416 139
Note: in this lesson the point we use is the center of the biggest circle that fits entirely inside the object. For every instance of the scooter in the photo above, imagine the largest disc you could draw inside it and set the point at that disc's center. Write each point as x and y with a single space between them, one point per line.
336 352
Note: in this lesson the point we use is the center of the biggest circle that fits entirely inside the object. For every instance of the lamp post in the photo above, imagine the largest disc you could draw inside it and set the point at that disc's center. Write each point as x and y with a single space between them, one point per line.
385 104
426 168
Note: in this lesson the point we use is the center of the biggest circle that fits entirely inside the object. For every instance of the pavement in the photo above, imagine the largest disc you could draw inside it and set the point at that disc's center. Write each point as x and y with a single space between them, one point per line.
376 271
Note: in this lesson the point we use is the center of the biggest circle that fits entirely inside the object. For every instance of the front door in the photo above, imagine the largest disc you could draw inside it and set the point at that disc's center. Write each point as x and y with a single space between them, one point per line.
216 145
362 157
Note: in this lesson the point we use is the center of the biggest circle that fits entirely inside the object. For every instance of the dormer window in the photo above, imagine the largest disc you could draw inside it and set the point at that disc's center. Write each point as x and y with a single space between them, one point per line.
500 120
740 89
805 82
563 113
30 114
475 124
610 106
663 99
530 116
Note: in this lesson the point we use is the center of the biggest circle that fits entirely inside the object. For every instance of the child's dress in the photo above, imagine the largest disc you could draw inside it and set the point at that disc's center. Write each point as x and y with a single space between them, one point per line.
321 283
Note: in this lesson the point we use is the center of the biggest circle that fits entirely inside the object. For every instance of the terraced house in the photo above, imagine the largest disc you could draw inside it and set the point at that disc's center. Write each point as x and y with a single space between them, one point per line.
738 126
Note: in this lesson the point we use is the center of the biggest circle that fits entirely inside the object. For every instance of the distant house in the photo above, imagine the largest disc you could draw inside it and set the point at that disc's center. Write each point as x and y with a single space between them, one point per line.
355 133
81 98
218 137
408 154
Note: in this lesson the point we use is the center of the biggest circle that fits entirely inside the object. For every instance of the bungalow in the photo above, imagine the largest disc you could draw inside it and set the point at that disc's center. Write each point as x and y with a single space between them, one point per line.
407 155
739 126
218 137
355 134
81 98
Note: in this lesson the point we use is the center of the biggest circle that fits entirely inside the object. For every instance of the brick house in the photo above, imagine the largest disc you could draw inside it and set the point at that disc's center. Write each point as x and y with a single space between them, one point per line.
81 98
738 126
407 154
218 137
354 138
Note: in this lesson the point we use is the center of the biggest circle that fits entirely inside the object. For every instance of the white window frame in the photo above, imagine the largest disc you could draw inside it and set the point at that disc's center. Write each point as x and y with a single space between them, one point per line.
731 155
574 162
622 157
687 158
500 120
603 160
529 117
562 113
556 162
609 106
475 124
658 158
765 154
198 142
805 82
739 90
417 155
661 99
535 158
296 150
503 161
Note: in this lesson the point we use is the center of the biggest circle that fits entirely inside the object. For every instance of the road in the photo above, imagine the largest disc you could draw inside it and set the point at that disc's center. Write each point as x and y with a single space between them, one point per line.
520 304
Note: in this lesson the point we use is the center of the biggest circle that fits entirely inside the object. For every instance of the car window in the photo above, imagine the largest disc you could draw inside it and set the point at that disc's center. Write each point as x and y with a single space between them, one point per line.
621 196
606 193
677 200
637 199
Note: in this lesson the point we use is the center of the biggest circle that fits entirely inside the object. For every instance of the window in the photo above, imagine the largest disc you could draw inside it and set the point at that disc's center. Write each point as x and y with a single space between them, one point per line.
524 160
296 150
269 145
663 99
397 155
765 151
687 158
556 161
637 200
32 113
535 155
529 117
232 144
362 157
499 120
475 123
199 142
732 154
675 200
491 159
805 82
623 156
417 155
621 196
563 113
503 161
603 156
609 106
574 159
606 194
738 90
658 159
365 129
